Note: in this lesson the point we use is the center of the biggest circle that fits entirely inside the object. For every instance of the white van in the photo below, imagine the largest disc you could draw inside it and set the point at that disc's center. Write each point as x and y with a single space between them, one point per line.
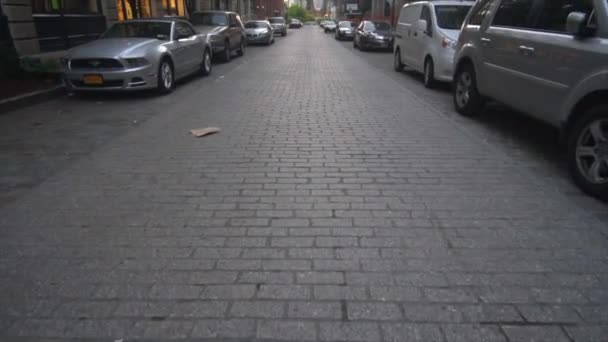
426 35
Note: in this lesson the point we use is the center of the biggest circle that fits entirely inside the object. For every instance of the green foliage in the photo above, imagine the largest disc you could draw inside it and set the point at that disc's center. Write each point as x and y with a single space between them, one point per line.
299 12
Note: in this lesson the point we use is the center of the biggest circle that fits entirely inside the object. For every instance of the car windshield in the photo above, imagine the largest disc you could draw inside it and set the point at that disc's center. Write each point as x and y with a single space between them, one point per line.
276 20
451 17
254 24
346 24
377 26
209 19
147 29
381 26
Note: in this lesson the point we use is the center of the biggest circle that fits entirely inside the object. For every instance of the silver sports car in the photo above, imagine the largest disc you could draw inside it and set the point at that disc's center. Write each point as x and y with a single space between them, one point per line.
139 54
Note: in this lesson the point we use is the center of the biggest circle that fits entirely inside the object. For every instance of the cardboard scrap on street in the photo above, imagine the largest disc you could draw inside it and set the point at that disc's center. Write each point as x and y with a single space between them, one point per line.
201 132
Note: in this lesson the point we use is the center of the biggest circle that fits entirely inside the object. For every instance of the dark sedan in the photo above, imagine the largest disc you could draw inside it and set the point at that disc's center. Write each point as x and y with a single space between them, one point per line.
373 35
295 23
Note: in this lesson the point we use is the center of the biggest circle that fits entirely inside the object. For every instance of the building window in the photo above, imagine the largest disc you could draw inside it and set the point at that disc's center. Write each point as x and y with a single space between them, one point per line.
66 6
174 7
133 9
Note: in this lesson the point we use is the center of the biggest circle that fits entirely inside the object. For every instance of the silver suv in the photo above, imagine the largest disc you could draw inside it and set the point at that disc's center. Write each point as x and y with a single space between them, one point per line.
547 58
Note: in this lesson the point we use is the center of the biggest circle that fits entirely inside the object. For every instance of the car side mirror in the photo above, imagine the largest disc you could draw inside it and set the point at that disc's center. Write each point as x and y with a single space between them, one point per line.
576 23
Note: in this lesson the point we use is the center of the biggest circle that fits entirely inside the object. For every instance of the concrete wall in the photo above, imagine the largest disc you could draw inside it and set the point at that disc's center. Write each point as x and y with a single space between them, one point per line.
21 25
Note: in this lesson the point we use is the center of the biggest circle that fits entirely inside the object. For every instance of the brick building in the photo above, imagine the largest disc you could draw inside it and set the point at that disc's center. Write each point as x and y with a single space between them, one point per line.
43 29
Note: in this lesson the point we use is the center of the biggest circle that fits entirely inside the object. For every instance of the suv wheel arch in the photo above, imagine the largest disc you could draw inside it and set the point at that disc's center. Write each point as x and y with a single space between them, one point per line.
588 101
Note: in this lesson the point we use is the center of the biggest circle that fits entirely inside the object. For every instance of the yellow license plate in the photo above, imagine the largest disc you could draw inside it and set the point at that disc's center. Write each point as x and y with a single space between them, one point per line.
93 79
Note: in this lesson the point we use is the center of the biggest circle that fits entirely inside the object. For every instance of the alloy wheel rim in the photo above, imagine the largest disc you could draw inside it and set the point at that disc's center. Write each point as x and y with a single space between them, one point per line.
167 76
592 152
463 89
396 59
207 62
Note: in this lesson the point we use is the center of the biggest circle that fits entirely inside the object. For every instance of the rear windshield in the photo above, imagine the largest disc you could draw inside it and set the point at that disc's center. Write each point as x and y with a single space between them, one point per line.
345 24
208 19
142 29
451 17
253 24
277 20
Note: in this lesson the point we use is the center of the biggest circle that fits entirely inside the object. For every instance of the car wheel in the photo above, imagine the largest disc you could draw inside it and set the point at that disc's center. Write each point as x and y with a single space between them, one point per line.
206 64
397 64
429 73
227 53
241 50
467 100
165 77
588 151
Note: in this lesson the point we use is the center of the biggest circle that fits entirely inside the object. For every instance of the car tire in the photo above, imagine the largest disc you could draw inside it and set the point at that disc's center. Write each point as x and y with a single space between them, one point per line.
429 73
588 151
397 64
206 63
166 77
241 50
226 54
467 99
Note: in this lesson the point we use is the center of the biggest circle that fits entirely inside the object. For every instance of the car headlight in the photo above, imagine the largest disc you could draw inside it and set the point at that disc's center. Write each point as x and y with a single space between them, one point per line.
264 32
215 37
136 62
446 42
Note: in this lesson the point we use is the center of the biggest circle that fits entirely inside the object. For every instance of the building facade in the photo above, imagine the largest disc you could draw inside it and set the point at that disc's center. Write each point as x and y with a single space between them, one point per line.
39 27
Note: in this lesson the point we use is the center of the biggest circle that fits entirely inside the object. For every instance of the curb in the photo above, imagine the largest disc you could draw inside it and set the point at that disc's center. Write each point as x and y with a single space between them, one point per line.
28 99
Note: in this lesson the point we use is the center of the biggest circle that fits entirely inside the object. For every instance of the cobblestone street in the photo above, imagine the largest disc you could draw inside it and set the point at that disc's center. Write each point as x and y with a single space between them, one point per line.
340 202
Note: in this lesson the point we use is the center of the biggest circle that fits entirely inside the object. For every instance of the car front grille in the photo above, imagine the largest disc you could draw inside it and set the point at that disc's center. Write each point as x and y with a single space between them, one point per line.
106 84
95 64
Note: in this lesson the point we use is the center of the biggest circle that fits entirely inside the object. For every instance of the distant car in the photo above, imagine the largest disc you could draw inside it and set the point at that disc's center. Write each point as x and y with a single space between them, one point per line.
225 30
138 54
345 30
295 23
546 59
324 22
278 24
373 35
426 36
259 31
330 26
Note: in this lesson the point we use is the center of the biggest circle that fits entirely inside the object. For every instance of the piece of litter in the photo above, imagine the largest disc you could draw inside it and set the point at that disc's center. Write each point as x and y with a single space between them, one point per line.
201 132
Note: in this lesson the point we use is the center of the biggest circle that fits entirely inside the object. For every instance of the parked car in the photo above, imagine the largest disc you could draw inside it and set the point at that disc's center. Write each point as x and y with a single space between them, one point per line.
547 59
225 30
295 23
345 30
426 35
278 24
322 23
259 31
373 35
138 54
330 26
